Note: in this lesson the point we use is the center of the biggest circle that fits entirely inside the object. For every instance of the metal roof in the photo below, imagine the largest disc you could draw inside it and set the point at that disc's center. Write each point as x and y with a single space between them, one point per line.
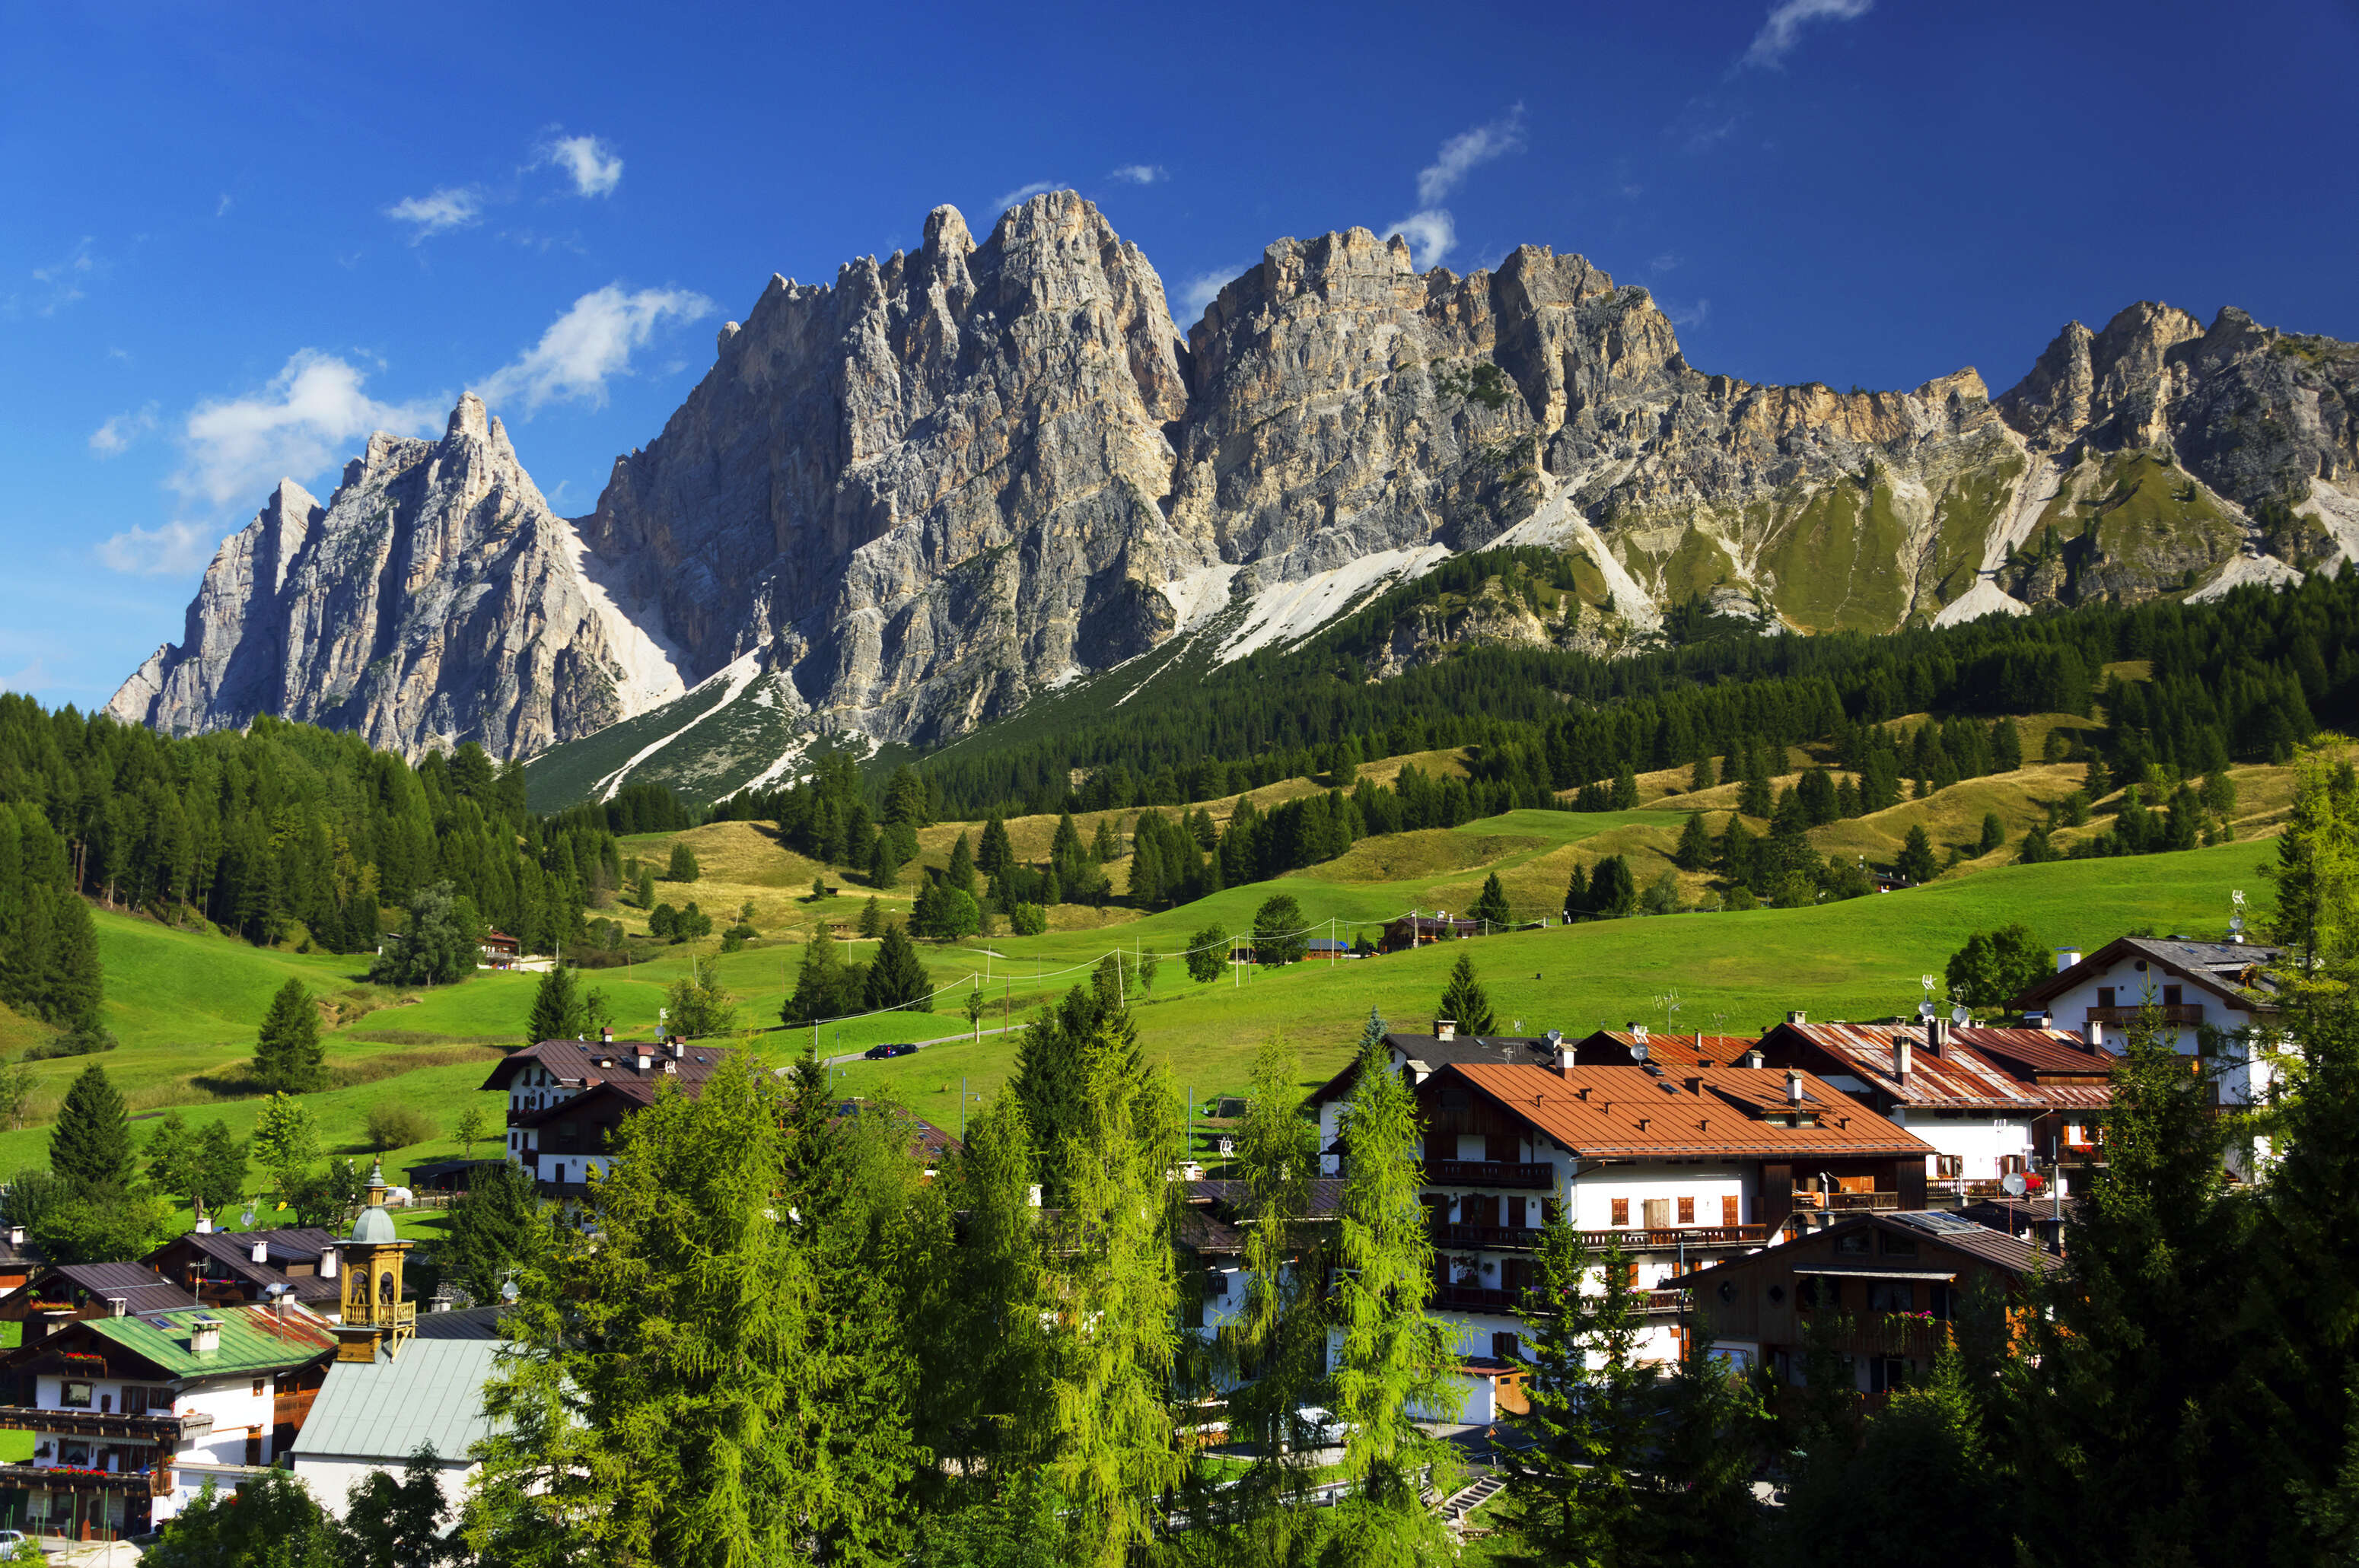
254 1338
1611 1048
1953 1076
139 1286
1701 1112
382 1410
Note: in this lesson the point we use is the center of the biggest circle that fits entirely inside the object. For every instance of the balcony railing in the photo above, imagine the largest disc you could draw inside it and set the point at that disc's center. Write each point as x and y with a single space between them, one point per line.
59 1477
1635 1240
1489 1174
2187 1013
1840 1202
164 1428
1475 1298
1496 1238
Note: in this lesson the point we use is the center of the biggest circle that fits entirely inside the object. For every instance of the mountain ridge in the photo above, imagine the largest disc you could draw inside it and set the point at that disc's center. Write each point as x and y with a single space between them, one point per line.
905 503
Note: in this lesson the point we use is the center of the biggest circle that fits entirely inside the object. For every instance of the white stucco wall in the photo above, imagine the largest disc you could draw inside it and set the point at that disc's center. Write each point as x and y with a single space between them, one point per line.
331 1480
2242 1080
1980 1139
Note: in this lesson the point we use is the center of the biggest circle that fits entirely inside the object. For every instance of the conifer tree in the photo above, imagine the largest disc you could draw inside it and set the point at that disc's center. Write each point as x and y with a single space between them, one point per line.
1491 905
1392 1362
992 1406
820 982
996 855
1103 848
496 1227
89 1145
558 1013
1695 844
1575 1484
1915 862
872 919
1613 891
398 1524
1701 777
1576 894
1279 1332
897 979
1112 1363
1464 999
960 871
683 867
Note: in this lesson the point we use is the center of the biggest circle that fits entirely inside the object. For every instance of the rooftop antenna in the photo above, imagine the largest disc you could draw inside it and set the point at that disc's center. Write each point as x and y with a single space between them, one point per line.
1925 1008
2236 917
1669 1002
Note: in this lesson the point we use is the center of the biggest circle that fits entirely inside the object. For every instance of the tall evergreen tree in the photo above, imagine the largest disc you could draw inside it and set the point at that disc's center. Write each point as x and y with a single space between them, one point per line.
392 1523
1391 1361
897 979
558 1013
1576 894
1694 852
1915 862
1576 1485
89 1145
1491 905
1464 999
497 1226
961 873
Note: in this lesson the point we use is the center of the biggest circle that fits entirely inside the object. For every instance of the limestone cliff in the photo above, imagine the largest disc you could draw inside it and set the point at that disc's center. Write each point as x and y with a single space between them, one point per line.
908 501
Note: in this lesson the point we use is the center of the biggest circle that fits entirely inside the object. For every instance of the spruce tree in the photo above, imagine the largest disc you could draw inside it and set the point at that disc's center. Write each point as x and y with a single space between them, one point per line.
960 872
1914 862
557 1009
897 979
89 1145
1613 891
1576 894
288 1057
1695 844
1463 998
1279 1332
1391 1361
872 919
1575 1485
996 855
496 1227
683 867
1491 905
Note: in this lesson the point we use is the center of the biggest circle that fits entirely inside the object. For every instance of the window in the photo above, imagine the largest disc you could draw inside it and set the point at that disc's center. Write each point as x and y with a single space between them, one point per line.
1687 1211
74 1396
2170 995
257 1387
254 1445
1658 1214
1895 1246
1950 1166
1731 1209
1506 1347
1886 1373
1938 1303
1851 1244
135 1399
1621 1211
1891 1295
2105 996
1216 1282
1817 1290
1634 1276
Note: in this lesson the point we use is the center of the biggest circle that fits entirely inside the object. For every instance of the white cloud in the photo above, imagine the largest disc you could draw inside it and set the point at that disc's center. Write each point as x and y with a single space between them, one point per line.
1466 150
1139 173
592 163
452 207
1694 315
171 550
1667 262
295 426
1025 193
1431 234
221 207
60 282
591 341
1198 293
1783 30
119 432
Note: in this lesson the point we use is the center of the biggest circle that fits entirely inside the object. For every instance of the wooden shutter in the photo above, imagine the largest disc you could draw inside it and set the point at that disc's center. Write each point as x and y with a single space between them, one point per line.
1730 1208
1687 1211
1621 1211
1658 1214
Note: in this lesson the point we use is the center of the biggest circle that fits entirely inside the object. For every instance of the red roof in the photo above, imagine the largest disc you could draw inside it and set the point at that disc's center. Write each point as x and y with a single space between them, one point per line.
1706 1112
1954 1076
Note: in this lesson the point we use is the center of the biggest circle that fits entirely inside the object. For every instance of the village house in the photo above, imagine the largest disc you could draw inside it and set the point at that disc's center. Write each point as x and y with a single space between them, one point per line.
20 1257
226 1268
566 1097
1676 1165
68 1293
1992 1102
131 1414
1420 930
1900 1279
2211 1000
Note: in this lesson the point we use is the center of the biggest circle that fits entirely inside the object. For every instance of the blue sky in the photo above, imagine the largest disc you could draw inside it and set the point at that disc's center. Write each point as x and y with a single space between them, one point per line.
236 238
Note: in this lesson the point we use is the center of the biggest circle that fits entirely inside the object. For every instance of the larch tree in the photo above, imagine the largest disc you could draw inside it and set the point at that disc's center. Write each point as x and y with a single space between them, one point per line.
1391 1361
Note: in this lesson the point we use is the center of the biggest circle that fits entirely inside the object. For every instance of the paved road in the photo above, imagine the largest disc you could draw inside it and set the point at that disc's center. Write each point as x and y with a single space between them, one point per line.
946 1039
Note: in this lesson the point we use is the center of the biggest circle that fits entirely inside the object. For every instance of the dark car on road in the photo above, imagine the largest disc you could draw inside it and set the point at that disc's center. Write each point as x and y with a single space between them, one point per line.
885 1053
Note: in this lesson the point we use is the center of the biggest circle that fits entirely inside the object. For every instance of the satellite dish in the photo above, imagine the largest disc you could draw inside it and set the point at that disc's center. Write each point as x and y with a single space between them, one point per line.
2013 1185
1638 1051
1960 1016
247 1218
509 1292
1925 1010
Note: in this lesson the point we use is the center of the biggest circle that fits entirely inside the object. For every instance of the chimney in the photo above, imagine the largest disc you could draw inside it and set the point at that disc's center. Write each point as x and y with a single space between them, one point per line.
606 1034
1035 1195
1445 1029
679 1050
1695 1086
327 1263
1793 1086
1937 1034
1559 1051
118 1306
1900 1063
2094 1034
2066 958
16 1236
205 1336
262 1251
646 1061
1797 1018
1750 1059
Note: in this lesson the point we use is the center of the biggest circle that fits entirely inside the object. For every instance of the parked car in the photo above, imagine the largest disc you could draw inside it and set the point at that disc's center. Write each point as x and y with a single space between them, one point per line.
1315 1427
885 1053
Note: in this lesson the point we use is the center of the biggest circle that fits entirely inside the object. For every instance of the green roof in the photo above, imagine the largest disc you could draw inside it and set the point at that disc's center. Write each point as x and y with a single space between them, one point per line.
382 1410
253 1339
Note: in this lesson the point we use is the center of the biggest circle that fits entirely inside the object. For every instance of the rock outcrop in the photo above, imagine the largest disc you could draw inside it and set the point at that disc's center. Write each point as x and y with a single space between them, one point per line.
435 599
908 501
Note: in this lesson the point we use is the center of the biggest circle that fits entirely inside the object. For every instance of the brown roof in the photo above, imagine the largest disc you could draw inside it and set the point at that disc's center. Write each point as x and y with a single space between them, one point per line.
2040 1053
1953 1077
583 1063
1977 1241
1611 1048
234 1250
139 1285
1706 1112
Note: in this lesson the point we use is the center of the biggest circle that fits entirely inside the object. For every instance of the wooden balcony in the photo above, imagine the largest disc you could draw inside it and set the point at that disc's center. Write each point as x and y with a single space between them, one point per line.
1475 1298
1494 1237
1851 1203
108 1424
1489 1174
2187 1013
1661 1239
59 1479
